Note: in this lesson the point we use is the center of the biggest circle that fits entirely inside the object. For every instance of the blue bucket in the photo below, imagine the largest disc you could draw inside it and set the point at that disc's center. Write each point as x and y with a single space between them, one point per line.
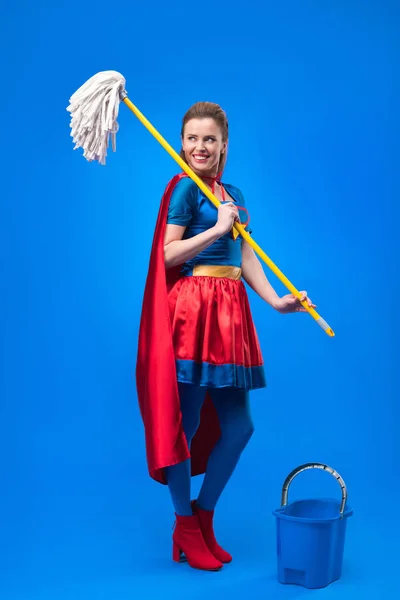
311 535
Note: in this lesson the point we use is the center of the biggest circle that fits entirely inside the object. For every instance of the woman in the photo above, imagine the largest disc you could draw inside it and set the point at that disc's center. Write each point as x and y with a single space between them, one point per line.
198 354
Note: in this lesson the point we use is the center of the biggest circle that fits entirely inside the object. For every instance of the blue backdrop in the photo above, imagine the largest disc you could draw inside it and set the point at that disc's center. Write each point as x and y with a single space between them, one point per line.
310 90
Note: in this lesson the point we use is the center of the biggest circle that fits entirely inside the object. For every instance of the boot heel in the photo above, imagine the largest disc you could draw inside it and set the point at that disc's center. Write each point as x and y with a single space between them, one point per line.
176 552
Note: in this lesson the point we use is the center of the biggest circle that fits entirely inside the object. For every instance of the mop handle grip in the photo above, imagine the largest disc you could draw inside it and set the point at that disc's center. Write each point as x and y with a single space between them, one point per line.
305 467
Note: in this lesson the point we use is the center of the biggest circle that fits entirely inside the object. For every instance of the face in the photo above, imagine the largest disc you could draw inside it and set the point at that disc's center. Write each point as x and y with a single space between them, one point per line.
202 144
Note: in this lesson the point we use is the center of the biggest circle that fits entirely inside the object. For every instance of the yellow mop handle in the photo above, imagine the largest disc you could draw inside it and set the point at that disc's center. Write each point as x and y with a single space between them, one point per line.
321 322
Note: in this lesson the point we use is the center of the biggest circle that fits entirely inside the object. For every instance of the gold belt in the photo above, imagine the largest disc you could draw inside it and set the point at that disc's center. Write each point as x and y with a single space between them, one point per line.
217 271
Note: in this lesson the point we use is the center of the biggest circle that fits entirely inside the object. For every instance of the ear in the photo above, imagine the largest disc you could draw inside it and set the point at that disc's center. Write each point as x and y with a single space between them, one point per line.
224 147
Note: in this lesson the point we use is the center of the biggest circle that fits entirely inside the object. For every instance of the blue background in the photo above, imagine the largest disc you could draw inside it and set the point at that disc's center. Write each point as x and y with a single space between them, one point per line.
311 91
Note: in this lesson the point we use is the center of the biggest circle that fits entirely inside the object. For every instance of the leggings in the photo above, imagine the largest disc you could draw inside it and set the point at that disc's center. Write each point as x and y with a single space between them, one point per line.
232 406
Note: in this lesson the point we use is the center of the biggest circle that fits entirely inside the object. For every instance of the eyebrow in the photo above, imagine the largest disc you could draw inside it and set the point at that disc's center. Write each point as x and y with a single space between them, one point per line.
208 135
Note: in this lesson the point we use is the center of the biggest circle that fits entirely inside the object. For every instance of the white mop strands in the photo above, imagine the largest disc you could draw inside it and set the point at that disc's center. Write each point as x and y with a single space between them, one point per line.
94 110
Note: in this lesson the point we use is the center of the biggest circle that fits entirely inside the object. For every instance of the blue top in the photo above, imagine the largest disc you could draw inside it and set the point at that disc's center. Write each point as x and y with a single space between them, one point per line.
191 208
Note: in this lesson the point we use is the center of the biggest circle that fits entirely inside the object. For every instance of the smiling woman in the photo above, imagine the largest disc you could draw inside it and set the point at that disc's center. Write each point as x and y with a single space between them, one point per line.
199 354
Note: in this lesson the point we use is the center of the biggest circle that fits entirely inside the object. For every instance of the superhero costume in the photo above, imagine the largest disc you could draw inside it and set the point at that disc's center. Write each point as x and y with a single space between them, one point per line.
196 328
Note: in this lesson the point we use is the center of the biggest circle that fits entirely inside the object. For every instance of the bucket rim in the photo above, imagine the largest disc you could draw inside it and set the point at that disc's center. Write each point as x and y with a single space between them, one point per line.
280 512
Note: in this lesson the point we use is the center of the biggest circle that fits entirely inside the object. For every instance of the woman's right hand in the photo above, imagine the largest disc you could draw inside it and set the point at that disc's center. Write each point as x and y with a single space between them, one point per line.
228 214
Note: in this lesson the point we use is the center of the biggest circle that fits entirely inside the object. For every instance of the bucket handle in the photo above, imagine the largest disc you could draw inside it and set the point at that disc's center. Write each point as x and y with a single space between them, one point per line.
305 467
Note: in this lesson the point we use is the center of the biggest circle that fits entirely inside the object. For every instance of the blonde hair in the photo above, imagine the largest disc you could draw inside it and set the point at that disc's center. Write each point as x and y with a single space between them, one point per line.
208 110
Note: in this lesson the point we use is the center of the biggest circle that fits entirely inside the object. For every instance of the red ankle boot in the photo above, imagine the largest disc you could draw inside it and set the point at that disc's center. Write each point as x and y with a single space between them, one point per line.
188 539
206 525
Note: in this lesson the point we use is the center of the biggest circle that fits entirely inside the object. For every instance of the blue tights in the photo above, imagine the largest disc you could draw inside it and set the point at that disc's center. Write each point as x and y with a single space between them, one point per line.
232 406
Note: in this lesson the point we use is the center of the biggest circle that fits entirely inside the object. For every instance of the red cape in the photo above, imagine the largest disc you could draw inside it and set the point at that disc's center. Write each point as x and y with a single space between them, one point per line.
156 380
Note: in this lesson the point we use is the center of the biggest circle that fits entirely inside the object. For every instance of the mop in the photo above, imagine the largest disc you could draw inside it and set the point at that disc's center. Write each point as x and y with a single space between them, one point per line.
94 109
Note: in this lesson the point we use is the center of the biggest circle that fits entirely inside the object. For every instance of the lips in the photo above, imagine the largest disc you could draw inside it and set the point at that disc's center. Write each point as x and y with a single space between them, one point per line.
200 157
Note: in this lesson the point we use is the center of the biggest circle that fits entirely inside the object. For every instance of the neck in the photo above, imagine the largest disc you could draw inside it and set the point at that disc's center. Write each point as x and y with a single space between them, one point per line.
213 181
212 178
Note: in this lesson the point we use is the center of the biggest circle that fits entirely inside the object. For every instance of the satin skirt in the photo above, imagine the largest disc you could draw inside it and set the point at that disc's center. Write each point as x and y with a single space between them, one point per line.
214 337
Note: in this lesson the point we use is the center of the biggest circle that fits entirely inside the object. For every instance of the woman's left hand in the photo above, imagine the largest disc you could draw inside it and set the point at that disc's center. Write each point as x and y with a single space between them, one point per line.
291 304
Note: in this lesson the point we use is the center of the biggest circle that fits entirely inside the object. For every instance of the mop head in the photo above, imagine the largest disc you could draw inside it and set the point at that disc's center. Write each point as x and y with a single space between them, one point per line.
94 110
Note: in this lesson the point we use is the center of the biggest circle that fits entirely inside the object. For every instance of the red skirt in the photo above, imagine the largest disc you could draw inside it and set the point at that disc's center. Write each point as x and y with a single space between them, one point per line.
214 337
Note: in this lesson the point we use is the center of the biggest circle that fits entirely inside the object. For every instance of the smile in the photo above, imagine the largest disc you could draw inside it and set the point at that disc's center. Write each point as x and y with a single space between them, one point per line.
200 157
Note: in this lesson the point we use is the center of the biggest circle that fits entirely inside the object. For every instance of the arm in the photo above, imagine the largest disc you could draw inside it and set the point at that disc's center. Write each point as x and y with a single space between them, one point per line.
177 251
254 276
253 272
